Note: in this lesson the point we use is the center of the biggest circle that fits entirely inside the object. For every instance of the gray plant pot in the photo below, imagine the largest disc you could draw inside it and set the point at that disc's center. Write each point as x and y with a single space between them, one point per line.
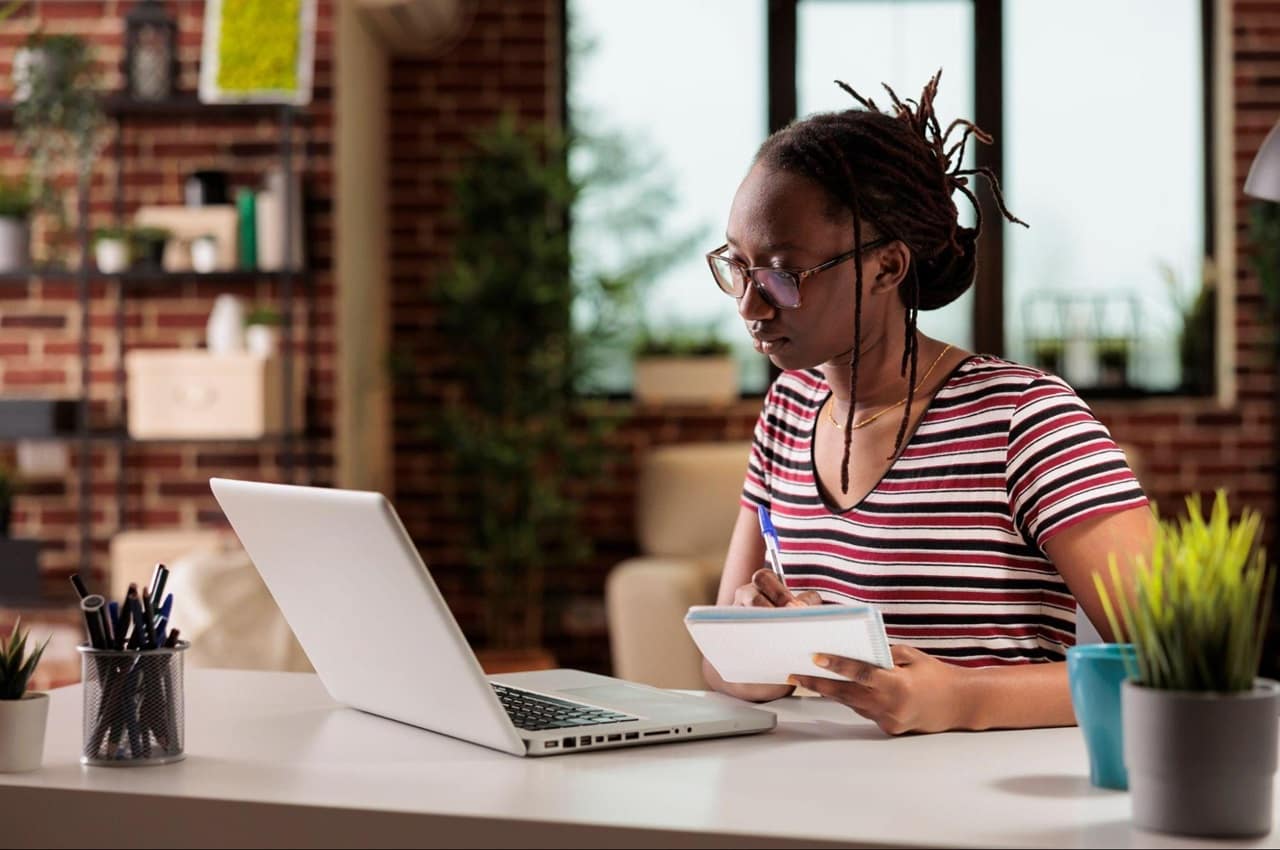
1201 763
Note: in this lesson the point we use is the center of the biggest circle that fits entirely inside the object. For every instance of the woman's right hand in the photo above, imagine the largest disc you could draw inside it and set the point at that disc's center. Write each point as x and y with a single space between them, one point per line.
766 590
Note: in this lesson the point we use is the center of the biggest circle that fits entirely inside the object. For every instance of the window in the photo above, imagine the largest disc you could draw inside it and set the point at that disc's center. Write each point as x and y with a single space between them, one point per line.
684 85
902 44
1105 158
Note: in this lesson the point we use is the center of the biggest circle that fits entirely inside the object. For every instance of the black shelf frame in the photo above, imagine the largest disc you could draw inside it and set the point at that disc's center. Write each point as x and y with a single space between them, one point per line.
125 112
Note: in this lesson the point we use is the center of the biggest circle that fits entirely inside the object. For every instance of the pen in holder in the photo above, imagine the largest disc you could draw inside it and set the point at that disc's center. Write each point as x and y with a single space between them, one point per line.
133 706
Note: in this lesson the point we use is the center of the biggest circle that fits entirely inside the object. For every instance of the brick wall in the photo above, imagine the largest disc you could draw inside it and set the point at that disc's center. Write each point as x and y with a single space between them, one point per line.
1186 446
40 323
508 59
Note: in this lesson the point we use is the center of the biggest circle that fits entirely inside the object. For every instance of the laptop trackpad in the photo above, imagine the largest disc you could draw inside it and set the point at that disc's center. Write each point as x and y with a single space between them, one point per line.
628 698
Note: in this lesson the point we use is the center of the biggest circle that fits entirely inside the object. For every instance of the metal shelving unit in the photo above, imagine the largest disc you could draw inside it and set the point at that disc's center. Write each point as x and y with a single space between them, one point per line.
290 283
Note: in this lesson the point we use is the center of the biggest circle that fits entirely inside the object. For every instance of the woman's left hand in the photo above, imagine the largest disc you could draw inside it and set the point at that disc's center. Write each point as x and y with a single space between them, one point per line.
920 694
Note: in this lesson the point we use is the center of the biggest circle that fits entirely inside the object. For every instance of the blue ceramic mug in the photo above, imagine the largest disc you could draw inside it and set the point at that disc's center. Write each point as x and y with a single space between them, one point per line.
1095 671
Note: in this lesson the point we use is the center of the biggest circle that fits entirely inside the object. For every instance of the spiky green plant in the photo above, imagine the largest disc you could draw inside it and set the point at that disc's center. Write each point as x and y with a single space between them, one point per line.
16 666
1200 604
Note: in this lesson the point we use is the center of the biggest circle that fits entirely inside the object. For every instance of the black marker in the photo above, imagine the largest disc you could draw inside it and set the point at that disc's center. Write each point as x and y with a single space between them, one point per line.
92 606
78 583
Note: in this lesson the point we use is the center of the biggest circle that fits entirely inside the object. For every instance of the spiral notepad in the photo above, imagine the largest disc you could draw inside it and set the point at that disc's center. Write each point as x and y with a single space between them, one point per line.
766 645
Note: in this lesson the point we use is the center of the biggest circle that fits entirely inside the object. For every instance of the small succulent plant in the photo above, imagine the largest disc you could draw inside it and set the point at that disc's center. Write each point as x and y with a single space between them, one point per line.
16 666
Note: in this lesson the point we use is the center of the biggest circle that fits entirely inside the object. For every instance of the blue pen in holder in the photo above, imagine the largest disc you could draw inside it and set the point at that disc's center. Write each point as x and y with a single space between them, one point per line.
133 705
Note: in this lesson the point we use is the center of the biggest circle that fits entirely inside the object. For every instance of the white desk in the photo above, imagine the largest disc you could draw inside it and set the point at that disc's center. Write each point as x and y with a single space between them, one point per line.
271 760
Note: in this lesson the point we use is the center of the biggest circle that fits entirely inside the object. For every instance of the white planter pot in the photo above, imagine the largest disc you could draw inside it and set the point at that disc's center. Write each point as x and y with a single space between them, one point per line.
22 725
1201 763
111 255
15 244
261 339
686 380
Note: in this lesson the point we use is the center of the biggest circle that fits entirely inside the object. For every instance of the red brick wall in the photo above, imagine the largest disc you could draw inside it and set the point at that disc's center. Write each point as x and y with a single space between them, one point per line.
40 323
1186 446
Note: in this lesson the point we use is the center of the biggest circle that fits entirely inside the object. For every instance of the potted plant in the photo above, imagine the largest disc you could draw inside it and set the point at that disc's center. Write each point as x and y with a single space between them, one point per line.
1199 726
261 330
1113 362
111 249
1196 333
515 431
16 204
146 247
1046 354
58 118
23 713
684 367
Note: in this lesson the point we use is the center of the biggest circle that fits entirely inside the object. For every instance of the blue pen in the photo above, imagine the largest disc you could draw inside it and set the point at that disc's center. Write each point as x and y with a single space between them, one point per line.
771 542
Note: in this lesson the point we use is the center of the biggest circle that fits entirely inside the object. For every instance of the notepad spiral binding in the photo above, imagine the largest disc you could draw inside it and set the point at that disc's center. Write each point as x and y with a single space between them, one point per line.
133 706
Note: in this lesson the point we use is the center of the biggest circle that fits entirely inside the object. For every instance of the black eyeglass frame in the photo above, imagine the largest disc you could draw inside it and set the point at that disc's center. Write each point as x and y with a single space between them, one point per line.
797 276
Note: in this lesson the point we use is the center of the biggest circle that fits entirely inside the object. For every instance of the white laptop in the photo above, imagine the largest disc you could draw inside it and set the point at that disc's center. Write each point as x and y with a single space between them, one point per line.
349 580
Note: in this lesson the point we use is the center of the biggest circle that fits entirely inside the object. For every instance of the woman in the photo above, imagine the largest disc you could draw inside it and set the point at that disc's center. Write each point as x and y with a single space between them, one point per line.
970 498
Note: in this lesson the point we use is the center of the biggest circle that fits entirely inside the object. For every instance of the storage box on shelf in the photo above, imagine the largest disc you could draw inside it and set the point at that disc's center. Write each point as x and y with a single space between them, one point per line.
197 395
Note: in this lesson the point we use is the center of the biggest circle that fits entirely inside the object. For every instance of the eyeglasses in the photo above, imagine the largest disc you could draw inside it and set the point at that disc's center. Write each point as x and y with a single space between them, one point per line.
779 288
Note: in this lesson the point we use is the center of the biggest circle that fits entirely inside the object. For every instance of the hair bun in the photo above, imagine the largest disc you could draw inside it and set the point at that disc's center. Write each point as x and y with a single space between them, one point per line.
946 276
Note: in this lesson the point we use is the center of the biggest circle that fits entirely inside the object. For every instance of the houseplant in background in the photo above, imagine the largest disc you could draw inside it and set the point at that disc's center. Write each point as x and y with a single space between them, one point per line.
1196 331
111 249
1200 728
16 205
23 714
510 420
58 119
684 366
146 247
262 330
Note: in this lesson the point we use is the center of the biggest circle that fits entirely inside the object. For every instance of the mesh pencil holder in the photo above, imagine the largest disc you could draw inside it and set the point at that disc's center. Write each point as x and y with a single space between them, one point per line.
133 706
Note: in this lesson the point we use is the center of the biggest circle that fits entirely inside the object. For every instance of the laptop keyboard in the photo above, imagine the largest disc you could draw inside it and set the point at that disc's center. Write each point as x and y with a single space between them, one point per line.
535 712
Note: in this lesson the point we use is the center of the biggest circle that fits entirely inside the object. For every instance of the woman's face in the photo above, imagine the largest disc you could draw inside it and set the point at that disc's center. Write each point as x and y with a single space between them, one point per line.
781 219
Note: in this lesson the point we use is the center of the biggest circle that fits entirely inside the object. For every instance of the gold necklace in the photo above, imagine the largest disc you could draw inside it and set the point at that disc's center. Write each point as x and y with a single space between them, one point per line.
830 405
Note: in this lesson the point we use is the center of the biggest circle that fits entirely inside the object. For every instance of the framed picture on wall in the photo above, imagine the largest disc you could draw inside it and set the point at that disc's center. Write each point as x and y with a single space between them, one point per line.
257 51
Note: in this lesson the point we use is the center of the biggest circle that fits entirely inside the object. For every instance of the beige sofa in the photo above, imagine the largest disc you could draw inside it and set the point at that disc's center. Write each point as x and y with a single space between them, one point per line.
686 504
687 501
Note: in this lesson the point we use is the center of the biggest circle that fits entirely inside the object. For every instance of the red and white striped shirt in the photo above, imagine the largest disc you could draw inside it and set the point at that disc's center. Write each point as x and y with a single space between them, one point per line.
949 545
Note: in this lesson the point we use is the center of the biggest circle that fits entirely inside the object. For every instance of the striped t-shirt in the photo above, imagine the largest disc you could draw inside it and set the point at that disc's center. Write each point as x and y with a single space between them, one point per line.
949 545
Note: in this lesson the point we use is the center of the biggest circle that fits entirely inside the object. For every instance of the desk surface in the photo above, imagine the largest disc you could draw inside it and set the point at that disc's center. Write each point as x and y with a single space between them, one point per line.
272 759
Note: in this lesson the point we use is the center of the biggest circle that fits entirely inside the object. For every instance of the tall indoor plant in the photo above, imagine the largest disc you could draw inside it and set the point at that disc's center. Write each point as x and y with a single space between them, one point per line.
23 714
58 120
510 421
1200 728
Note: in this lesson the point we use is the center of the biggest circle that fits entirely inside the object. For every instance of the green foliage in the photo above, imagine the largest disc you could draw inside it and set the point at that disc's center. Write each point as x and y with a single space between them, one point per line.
16 200
1264 254
58 122
16 666
510 420
262 315
682 342
1201 604
110 233
1197 330
258 45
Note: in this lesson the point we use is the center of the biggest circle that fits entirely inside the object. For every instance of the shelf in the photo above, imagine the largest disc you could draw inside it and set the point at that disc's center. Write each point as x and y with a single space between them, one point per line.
122 437
148 278
186 105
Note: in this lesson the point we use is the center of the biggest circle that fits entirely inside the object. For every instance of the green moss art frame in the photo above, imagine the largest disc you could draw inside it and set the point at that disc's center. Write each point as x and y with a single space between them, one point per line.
258 51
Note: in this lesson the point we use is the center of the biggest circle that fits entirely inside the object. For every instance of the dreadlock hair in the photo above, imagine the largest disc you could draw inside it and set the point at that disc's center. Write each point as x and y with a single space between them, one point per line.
896 172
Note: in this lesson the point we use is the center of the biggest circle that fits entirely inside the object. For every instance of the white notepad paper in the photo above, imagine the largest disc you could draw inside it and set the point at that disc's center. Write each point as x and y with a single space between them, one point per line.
766 645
